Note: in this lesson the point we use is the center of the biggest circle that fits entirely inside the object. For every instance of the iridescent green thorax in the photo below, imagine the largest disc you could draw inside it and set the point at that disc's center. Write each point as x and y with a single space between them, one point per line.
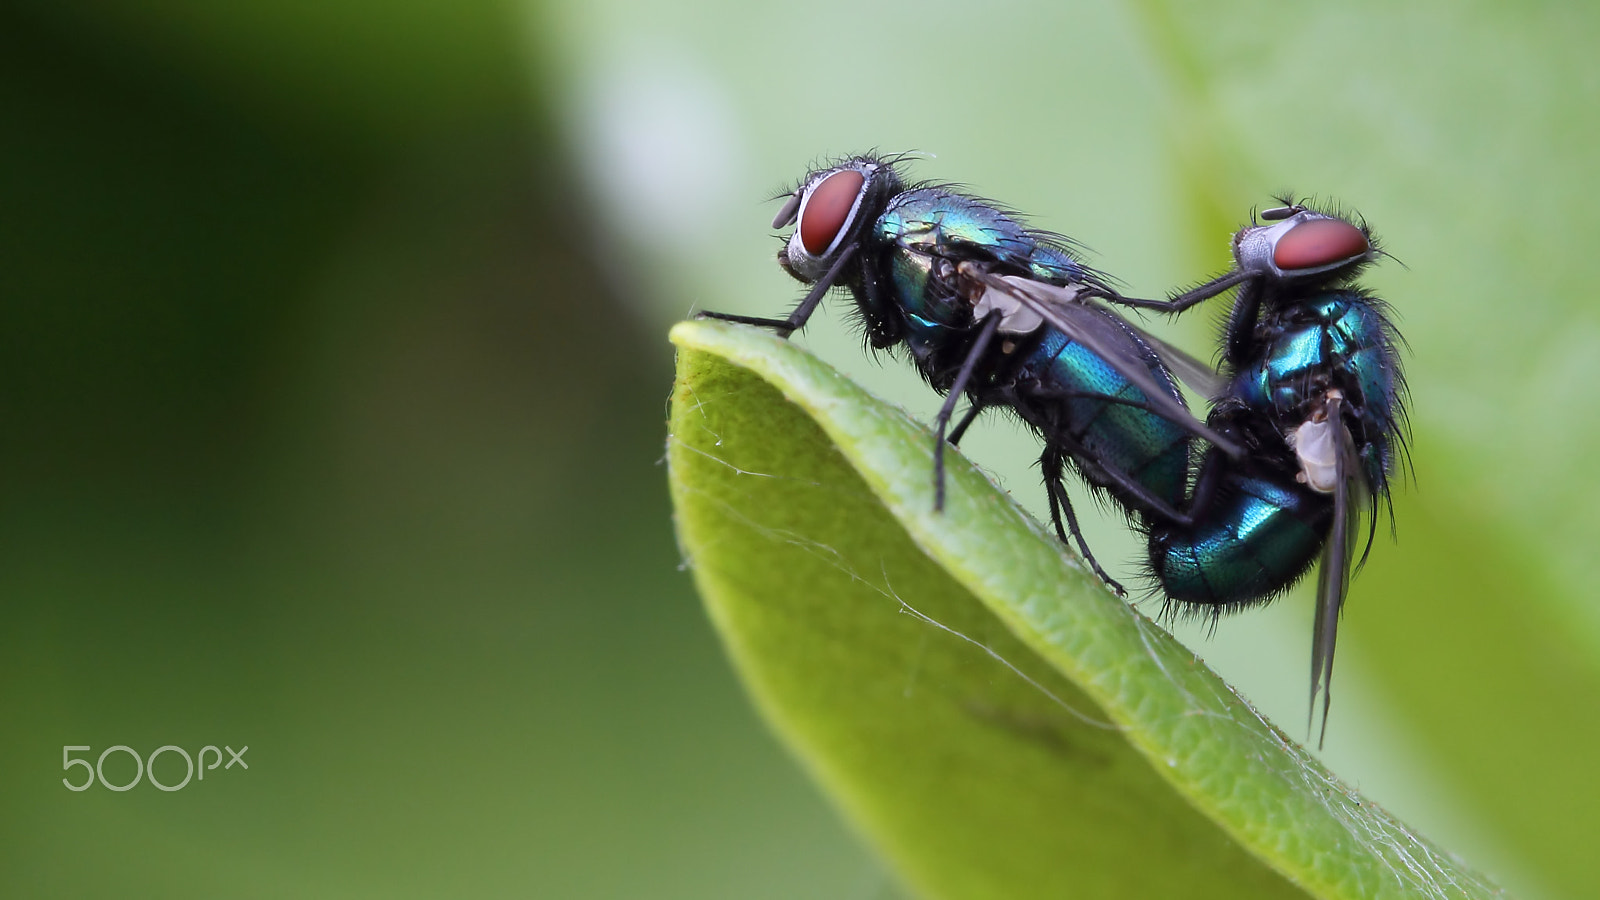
936 224
1337 339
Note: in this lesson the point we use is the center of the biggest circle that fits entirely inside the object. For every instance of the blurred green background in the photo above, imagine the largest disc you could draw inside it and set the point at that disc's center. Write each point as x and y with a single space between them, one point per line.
334 371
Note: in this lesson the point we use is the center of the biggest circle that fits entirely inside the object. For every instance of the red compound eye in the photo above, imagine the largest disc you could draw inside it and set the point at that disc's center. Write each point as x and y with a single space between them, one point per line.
1318 243
827 209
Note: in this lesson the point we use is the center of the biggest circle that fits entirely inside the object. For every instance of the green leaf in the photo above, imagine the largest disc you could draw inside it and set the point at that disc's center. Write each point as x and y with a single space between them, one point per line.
991 719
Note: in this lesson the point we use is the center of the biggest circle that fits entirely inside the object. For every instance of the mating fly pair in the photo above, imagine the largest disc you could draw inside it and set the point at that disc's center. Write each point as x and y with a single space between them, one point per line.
1235 508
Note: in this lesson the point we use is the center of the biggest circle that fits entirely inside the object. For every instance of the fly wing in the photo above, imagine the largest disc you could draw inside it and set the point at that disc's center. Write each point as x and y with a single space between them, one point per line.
1099 330
1197 374
1350 496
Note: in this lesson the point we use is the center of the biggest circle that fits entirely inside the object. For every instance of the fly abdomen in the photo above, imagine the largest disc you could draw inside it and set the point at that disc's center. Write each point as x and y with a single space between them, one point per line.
1254 539
1076 400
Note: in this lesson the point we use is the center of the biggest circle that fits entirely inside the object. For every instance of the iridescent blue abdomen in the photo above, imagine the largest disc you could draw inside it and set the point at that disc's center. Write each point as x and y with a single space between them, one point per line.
1259 535
1061 389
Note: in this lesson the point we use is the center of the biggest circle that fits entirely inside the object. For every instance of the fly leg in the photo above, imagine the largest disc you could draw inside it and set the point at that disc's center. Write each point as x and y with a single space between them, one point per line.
1179 302
942 422
1056 489
965 423
802 313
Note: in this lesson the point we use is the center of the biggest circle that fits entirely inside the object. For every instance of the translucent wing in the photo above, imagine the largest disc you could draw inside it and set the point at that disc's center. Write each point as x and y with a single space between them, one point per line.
1024 303
1196 373
1350 502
